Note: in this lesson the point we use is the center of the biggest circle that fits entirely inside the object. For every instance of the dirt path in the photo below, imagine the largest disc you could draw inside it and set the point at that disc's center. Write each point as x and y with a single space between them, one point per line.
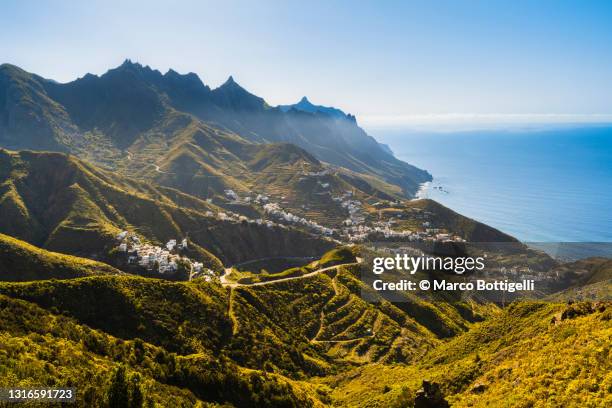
224 281
233 285
343 341
322 313
230 312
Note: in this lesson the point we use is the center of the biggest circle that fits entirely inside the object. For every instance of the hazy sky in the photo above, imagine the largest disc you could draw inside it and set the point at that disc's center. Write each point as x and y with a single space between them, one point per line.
376 59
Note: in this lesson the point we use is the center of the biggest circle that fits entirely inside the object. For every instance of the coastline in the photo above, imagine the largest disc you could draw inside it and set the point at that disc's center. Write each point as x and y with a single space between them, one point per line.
423 188
564 251
538 186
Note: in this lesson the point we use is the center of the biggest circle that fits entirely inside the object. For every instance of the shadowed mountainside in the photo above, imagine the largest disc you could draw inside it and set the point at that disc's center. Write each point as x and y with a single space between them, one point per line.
116 110
60 203
20 261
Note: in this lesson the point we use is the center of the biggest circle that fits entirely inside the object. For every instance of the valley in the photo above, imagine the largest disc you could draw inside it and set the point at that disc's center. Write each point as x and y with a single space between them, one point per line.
200 247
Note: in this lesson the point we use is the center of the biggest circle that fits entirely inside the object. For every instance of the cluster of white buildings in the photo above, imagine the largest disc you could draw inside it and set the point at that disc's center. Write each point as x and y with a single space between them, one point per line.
360 233
149 256
261 199
354 228
163 260
353 207
276 211
235 198
233 217
231 194
316 173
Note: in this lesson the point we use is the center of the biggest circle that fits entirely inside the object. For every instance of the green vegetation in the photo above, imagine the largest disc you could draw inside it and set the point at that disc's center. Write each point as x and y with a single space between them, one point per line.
168 148
338 256
20 261
62 204
519 358
248 277
309 341
43 349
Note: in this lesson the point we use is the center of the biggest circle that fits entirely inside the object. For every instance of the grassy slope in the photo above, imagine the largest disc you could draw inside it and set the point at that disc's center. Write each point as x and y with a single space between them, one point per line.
306 326
519 358
341 255
43 349
317 326
20 261
179 317
60 203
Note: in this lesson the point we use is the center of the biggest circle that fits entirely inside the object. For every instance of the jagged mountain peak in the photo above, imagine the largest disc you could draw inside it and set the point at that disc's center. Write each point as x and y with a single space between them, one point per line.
231 83
232 95
190 78
304 105
130 100
128 62
135 67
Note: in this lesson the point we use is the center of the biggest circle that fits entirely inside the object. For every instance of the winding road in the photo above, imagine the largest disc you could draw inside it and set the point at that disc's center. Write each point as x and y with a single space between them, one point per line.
225 282
233 285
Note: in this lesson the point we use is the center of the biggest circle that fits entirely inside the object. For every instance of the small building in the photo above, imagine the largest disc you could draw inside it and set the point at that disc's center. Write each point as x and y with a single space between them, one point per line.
183 244
171 244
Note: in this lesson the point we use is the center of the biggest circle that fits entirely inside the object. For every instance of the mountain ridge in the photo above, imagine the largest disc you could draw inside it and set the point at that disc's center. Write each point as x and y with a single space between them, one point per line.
305 105
60 203
118 109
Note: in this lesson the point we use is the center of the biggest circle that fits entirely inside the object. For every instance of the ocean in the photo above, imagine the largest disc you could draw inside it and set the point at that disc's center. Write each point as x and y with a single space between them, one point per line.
539 185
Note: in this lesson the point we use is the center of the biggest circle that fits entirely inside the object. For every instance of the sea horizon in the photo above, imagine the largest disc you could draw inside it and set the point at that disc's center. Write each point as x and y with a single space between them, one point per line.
542 184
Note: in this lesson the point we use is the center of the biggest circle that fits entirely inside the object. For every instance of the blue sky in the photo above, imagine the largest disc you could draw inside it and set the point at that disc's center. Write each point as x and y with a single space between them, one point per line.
381 59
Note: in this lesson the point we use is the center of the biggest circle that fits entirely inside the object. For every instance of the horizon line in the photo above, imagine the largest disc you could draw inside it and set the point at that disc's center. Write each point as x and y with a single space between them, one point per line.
445 120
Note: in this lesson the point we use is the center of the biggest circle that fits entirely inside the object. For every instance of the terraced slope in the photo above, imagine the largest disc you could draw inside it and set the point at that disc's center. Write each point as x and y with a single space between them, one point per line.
531 354
325 314
309 325
63 204
314 336
45 349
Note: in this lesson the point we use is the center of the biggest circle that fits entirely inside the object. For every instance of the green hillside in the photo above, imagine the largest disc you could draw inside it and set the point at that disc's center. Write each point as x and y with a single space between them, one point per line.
138 109
39 348
306 341
63 204
529 355
20 261
272 215
204 162
327 325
